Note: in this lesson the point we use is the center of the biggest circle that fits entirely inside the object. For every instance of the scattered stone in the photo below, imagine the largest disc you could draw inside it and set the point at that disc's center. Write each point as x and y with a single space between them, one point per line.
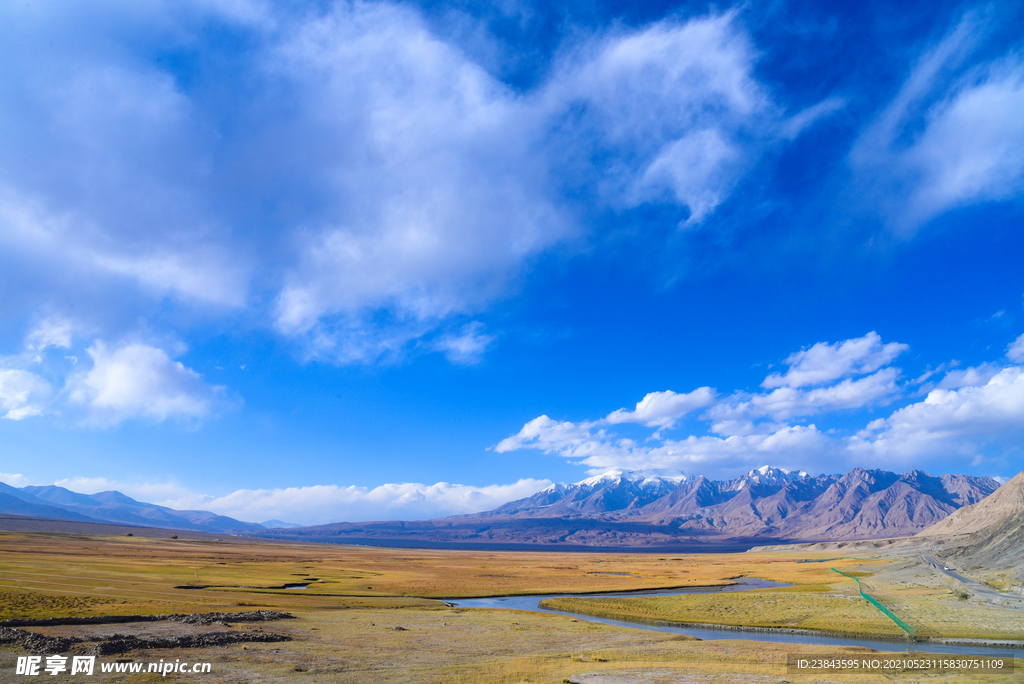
121 643
221 618
36 643
191 619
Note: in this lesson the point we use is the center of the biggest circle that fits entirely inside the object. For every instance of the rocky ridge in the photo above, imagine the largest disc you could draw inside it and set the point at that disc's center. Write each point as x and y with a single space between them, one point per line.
668 509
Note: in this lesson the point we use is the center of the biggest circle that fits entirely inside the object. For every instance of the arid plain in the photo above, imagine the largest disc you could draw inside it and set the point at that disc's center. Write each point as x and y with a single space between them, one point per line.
379 615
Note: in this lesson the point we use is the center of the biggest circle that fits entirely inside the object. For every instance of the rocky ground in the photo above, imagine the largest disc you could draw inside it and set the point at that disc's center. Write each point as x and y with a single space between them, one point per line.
120 634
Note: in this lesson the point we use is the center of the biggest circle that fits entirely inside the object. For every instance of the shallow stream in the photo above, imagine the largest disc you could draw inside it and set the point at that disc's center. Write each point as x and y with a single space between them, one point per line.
750 634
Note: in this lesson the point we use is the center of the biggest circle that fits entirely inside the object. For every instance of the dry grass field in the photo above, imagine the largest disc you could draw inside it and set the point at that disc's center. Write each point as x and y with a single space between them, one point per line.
373 615
825 601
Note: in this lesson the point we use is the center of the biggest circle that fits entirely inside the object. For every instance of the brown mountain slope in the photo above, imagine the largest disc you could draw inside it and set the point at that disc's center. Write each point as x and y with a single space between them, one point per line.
863 504
1004 506
988 534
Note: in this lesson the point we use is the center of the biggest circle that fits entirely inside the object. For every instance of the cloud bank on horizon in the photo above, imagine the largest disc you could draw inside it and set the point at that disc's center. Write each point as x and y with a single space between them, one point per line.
210 210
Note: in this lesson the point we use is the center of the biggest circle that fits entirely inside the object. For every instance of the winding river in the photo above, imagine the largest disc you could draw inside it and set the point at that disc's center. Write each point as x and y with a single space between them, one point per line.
532 603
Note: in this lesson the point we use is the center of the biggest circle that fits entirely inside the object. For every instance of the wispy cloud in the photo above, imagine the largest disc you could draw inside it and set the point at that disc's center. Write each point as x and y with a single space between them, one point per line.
403 186
467 346
22 393
1015 352
952 136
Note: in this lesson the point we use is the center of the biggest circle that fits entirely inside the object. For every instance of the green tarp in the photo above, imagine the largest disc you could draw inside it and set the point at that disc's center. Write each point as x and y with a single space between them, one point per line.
909 629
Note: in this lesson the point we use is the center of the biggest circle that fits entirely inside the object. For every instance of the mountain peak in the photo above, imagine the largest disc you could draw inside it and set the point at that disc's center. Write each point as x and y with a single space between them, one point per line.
652 476
769 475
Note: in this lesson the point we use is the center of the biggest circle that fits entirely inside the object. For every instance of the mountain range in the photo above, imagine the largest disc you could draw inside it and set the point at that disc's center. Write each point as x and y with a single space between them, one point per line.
618 508
114 507
637 509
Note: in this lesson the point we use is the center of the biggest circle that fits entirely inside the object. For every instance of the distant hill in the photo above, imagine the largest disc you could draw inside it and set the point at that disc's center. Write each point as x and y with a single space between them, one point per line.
111 507
14 502
987 534
277 524
662 509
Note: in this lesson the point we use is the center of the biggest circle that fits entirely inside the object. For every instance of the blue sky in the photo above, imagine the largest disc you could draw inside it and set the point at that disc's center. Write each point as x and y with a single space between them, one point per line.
326 261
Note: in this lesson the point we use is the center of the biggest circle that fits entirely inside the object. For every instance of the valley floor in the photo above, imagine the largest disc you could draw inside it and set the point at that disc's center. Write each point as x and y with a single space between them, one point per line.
375 615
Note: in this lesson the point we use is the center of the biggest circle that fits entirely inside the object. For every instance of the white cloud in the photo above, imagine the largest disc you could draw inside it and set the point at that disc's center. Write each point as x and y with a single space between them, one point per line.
468 346
332 503
739 436
675 105
436 189
51 332
119 213
319 504
974 413
789 444
972 376
1015 352
801 121
550 435
442 184
825 362
369 185
139 381
699 169
22 393
973 147
598 449
950 138
950 422
14 479
663 409
149 492
789 402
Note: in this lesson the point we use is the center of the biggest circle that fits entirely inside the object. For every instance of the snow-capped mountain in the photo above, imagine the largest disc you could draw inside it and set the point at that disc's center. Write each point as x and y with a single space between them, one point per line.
763 501
612 490
766 475
645 509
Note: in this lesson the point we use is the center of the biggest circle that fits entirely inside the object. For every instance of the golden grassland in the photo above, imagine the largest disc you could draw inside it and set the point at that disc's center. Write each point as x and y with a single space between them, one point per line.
818 610
822 601
357 596
82 575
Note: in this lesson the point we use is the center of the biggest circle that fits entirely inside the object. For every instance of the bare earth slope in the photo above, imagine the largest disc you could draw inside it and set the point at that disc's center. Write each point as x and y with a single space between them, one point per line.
985 539
988 534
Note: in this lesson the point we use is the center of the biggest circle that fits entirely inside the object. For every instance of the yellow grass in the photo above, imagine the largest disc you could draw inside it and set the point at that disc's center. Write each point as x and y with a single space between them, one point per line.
345 631
136 574
829 612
